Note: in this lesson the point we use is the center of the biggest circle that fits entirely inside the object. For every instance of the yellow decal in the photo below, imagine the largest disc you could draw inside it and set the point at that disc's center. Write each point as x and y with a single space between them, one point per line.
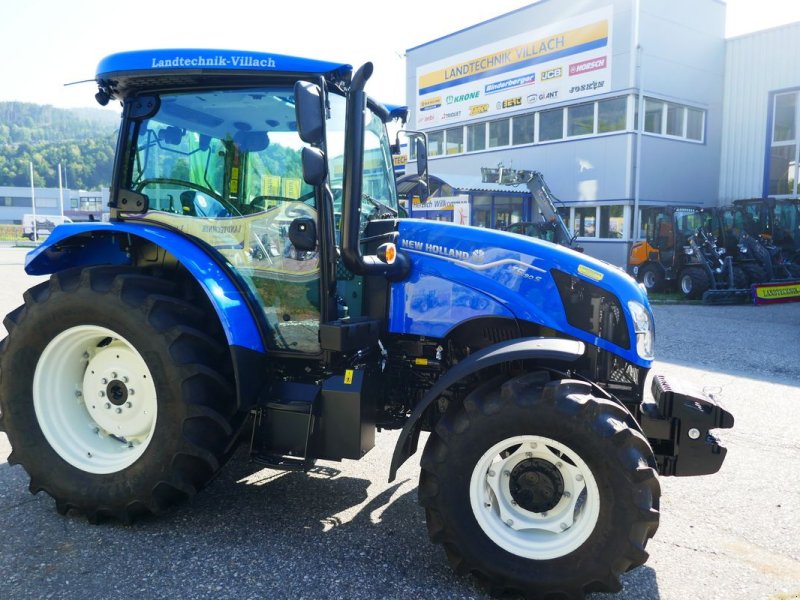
348 377
776 292
590 273
421 361
502 60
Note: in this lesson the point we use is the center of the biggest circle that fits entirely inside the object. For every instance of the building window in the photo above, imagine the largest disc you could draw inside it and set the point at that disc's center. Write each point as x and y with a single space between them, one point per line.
522 129
476 137
580 119
694 124
653 110
586 221
551 124
783 129
454 140
783 160
612 221
612 115
482 211
507 210
435 143
498 133
675 114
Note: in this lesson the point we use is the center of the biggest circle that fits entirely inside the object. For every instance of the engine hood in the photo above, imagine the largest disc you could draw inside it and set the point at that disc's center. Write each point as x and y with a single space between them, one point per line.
460 273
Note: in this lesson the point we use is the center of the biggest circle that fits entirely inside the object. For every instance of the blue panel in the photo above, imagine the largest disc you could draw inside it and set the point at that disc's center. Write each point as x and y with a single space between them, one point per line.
489 272
210 59
234 314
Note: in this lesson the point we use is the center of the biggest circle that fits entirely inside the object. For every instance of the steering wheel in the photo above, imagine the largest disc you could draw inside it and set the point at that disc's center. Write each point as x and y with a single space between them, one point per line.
188 184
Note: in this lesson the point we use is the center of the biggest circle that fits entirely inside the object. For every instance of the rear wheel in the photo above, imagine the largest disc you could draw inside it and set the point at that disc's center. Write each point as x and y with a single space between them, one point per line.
540 488
112 393
694 282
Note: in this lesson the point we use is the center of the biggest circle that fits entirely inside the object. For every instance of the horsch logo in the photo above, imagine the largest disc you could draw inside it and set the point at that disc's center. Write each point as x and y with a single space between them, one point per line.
587 65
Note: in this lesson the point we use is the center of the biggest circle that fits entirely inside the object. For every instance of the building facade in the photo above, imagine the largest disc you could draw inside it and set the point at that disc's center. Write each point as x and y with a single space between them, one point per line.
78 205
559 87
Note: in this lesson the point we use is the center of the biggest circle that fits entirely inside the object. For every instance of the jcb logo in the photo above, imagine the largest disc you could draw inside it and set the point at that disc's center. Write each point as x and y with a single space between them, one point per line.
552 74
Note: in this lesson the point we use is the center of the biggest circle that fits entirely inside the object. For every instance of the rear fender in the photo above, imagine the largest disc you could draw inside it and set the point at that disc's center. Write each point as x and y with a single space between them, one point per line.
79 245
84 245
552 349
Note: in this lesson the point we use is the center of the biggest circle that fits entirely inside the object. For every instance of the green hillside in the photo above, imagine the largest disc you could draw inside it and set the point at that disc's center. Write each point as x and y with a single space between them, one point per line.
82 140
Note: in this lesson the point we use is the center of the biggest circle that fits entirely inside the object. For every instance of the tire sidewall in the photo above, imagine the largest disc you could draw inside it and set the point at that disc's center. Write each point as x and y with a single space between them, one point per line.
45 320
582 436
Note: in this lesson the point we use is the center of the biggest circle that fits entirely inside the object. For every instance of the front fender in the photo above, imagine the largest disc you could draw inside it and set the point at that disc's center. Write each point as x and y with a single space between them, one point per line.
520 349
86 244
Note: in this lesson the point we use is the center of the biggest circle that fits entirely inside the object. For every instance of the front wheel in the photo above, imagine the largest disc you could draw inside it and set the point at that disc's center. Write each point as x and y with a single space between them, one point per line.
652 276
113 392
540 488
694 282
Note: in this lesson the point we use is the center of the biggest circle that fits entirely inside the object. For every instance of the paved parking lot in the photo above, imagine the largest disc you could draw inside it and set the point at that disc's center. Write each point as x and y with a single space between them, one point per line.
256 533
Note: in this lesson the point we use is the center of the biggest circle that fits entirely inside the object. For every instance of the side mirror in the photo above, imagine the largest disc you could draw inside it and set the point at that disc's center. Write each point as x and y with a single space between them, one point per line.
309 112
315 167
422 157
303 234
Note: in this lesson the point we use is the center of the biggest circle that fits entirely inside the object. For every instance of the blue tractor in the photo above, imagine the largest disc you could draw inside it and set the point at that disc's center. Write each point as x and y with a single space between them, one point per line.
257 284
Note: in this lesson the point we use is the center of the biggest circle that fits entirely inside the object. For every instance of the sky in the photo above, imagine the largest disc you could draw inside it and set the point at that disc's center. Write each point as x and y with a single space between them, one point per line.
47 43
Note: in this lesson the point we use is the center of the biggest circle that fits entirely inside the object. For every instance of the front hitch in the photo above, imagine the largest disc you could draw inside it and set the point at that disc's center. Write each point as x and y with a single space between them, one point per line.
679 427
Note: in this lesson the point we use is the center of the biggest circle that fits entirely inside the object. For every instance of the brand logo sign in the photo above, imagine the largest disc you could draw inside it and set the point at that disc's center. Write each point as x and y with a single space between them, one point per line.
552 73
430 103
499 86
478 109
463 97
510 103
585 66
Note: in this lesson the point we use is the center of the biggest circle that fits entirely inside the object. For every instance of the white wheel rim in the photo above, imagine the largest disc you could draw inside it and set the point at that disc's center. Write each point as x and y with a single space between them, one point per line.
94 399
686 284
649 279
535 535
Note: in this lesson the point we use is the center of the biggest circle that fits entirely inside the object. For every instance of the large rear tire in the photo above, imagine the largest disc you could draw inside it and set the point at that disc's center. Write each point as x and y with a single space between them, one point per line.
652 276
111 392
539 488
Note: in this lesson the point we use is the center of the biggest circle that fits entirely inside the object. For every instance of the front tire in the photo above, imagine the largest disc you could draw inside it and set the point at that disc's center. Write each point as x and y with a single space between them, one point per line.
112 392
652 276
540 488
694 282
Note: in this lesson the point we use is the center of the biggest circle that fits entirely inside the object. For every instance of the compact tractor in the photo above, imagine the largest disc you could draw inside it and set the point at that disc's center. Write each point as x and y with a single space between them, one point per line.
256 285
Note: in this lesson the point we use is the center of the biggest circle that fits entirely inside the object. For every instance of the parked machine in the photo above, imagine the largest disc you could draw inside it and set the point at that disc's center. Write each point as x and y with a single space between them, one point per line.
546 224
658 260
256 285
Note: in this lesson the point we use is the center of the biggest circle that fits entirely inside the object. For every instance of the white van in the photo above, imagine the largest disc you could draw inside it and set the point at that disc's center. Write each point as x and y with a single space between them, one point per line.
44 225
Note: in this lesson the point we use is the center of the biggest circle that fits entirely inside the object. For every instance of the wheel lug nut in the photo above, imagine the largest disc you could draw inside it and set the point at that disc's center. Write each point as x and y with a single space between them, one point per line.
529 454
579 477
533 445
567 495
544 514
510 522
101 393
564 526
119 410
114 375
491 473
85 355
507 473
128 405
124 380
108 404
104 381
559 464
78 393
131 392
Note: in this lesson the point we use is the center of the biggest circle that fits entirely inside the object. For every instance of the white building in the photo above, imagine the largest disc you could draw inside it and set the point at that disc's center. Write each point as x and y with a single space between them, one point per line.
557 87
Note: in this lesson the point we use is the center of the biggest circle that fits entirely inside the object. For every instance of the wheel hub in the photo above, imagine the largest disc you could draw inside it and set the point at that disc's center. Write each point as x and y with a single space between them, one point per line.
536 485
117 392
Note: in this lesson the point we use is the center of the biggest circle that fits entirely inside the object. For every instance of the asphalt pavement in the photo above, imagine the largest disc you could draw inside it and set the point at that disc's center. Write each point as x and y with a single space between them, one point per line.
344 532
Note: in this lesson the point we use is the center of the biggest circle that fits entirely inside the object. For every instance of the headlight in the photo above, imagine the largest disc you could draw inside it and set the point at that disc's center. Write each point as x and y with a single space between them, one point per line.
645 330
688 250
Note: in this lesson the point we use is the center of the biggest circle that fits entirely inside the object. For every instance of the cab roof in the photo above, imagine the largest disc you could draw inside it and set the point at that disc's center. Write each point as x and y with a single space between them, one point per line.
141 68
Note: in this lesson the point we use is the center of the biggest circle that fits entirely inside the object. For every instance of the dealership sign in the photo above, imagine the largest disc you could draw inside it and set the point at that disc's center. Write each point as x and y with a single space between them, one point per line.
562 61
